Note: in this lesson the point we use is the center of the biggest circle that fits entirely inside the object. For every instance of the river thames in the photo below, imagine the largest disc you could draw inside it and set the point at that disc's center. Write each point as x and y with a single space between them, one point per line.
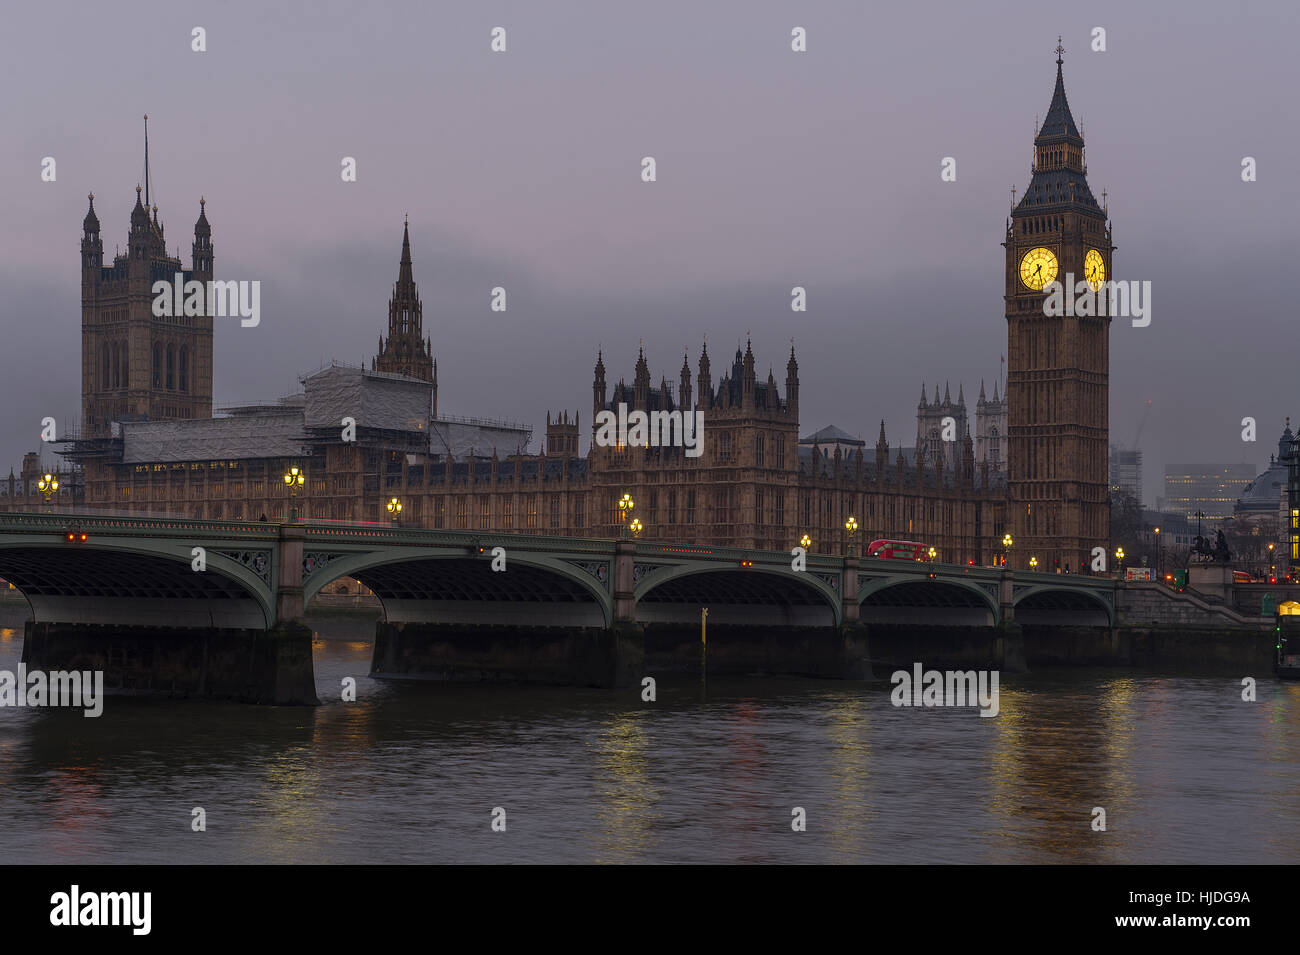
411 772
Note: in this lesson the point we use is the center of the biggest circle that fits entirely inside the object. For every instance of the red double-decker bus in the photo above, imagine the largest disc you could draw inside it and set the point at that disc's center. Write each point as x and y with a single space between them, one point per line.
897 550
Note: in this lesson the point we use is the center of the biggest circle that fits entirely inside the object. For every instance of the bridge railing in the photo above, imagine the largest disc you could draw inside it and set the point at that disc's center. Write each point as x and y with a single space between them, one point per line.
56 522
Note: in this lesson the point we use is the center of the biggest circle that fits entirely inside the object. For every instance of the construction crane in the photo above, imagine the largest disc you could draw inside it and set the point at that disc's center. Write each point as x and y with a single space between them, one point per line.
1141 424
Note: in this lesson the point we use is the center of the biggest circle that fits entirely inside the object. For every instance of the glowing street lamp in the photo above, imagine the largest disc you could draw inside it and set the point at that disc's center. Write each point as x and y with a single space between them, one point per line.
1033 563
851 525
635 527
805 542
1119 556
394 506
48 485
933 554
1006 547
625 505
293 480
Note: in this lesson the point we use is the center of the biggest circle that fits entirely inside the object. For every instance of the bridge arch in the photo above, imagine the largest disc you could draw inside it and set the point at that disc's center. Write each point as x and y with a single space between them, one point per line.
765 595
951 601
451 585
130 582
1045 604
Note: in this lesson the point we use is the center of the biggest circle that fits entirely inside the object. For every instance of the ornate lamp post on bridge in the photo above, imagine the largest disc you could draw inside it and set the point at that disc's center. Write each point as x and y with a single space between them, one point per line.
625 505
806 543
851 525
48 485
1033 563
1119 556
1006 547
636 527
394 506
293 480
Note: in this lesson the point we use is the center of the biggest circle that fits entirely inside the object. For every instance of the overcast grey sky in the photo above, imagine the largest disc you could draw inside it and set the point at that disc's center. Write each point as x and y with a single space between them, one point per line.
775 169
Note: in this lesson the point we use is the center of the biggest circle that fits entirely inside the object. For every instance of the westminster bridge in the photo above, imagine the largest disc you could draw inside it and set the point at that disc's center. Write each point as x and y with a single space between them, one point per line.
216 608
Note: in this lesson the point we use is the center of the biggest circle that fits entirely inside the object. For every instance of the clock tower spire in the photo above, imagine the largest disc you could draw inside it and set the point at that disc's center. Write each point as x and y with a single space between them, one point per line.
1057 364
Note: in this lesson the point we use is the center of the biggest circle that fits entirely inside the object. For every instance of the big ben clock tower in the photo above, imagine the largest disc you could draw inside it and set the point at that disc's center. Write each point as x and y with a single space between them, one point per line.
1057 365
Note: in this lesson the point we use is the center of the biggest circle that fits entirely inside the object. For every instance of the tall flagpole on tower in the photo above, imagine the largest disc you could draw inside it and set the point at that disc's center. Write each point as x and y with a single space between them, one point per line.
146 160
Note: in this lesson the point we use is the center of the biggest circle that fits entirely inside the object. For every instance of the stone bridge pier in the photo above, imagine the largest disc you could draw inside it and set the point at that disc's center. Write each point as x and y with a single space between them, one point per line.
188 617
449 616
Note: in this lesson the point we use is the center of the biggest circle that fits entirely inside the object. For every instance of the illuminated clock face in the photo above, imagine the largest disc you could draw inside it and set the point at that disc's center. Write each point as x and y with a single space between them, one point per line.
1037 268
1094 269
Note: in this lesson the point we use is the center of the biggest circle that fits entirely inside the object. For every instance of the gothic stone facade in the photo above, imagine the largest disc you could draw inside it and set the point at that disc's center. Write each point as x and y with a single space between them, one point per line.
1057 367
753 486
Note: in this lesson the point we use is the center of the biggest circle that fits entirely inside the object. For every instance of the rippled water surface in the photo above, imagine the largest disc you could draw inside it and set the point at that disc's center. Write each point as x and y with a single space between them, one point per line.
1185 770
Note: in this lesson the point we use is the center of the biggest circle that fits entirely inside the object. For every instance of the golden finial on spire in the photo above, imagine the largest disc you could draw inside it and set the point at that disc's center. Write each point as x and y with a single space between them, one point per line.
1060 50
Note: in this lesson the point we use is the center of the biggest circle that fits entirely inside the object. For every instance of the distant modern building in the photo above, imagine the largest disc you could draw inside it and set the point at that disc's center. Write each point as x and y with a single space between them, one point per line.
1126 472
1175 532
1211 488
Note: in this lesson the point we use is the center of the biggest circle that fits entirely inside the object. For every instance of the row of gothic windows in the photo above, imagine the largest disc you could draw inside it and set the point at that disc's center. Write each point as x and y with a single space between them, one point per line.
1035 225
171 366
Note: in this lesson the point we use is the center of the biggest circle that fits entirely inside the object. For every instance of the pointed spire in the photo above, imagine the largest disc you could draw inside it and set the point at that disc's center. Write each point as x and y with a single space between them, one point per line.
981 389
1059 124
961 395
947 394
405 276
91 222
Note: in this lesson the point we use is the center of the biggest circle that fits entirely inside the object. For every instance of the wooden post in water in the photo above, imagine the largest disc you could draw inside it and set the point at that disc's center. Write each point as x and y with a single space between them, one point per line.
704 645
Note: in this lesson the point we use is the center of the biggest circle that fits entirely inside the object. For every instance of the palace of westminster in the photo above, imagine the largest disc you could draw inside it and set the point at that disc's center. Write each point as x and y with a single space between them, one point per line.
1036 466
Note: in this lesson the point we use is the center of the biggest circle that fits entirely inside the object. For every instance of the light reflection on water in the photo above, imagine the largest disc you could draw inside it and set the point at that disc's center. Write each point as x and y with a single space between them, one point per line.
1185 771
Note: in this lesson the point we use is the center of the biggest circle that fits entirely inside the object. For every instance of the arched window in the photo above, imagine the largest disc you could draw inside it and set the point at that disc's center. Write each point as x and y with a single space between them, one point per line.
185 369
171 364
157 365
